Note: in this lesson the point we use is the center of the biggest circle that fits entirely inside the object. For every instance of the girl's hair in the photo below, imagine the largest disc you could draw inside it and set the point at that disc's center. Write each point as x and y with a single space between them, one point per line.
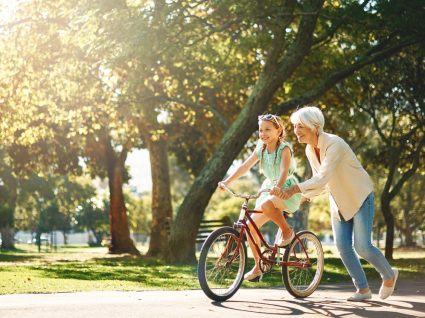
278 124
309 116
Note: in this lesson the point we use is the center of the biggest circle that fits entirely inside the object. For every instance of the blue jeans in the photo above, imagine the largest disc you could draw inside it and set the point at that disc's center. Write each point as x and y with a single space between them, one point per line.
361 226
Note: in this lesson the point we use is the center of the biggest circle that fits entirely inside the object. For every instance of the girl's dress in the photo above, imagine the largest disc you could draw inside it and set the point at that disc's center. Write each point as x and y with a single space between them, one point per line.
270 166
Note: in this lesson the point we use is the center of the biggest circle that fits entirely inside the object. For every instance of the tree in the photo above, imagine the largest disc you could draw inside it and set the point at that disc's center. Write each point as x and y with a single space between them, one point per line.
8 197
61 102
410 208
93 218
396 106
287 51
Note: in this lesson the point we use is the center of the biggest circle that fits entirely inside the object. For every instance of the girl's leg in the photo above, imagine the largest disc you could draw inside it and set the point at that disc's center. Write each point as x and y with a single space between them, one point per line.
363 222
277 217
343 235
259 219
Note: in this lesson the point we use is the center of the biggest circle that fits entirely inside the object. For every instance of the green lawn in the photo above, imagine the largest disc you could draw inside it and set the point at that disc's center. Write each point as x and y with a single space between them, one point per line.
78 268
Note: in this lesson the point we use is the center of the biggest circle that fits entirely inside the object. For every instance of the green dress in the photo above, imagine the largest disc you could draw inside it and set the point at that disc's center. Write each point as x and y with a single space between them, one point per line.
270 166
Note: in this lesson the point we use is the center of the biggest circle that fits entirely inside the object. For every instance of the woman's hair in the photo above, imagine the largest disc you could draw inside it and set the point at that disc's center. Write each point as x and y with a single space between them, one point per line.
309 116
277 123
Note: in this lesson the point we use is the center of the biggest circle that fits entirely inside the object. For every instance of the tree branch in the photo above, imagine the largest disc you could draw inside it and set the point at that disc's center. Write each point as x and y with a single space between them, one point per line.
338 76
416 159
195 106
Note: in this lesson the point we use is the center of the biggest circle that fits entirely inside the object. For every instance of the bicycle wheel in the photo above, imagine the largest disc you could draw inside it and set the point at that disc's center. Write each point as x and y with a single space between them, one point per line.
222 264
302 278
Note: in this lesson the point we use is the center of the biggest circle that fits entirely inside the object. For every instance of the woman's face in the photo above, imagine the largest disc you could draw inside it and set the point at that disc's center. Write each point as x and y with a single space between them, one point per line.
268 132
304 134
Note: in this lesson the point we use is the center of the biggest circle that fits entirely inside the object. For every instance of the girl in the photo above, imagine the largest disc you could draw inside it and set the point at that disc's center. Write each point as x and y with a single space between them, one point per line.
278 165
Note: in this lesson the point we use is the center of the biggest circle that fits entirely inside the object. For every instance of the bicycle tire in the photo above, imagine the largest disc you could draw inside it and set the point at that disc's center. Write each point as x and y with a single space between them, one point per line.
222 264
301 282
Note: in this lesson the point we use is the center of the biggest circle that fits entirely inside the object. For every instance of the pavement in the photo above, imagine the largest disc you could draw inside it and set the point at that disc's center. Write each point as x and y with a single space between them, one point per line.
329 300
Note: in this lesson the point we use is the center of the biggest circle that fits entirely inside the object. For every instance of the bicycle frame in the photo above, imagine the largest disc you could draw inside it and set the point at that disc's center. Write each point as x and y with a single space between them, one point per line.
223 258
242 226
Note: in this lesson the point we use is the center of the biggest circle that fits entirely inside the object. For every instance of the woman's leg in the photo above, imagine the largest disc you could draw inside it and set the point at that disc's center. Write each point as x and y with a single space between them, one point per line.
259 219
277 217
343 235
363 223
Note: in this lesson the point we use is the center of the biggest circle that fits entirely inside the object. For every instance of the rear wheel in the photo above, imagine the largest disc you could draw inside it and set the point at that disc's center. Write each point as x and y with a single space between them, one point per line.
222 264
306 251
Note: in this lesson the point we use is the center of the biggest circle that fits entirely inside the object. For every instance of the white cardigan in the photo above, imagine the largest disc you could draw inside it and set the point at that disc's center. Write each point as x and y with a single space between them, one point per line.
340 173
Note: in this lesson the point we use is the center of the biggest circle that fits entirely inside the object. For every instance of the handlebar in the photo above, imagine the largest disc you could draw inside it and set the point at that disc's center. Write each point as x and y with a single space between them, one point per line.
244 196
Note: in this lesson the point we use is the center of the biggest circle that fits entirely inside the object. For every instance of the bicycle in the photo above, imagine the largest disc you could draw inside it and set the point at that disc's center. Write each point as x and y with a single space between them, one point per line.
223 258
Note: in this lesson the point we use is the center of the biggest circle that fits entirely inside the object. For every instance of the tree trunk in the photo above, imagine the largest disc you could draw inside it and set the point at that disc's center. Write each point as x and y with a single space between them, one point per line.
97 237
409 225
120 234
162 211
190 213
7 238
389 221
408 229
7 212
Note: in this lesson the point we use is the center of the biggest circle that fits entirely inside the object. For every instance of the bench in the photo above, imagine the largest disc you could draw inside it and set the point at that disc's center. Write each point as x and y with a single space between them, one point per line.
207 226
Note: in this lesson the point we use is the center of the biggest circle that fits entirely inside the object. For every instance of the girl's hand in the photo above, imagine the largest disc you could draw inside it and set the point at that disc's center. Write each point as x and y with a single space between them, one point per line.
286 194
276 191
221 185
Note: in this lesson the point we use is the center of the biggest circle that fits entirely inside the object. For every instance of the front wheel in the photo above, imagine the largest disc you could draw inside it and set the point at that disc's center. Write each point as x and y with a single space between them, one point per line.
302 277
222 264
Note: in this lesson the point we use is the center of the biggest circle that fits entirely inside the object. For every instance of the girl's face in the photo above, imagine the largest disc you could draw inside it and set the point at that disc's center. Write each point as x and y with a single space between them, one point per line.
269 134
304 134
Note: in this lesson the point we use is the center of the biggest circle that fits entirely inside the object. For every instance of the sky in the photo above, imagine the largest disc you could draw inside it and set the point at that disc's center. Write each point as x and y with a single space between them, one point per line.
140 170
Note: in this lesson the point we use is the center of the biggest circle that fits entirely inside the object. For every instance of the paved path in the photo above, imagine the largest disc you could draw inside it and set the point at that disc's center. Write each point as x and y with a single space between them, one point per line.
328 300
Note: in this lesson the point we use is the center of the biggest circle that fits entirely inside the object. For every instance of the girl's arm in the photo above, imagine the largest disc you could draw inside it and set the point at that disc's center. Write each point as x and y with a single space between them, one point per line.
242 169
285 163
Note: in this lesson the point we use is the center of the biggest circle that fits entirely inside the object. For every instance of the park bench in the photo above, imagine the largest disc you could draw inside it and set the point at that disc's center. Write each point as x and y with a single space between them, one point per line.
207 226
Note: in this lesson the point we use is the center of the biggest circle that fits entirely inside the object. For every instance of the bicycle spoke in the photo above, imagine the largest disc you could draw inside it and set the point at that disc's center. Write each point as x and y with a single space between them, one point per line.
222 264
301 280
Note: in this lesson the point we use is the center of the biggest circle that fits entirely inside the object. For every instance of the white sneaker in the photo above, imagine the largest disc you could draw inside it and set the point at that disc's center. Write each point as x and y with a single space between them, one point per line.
385 292
285 243
360 297
253 276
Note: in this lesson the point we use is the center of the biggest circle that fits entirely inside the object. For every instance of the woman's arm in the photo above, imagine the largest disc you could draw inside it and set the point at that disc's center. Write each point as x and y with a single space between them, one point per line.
314 185
333 156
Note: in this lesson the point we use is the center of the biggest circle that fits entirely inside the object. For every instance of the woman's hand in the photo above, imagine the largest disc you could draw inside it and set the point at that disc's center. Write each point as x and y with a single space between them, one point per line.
276 191
304 200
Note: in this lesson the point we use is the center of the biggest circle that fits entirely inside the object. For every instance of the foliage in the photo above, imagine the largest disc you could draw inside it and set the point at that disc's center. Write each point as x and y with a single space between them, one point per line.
139 216
409 208
50 203
319 218
90 216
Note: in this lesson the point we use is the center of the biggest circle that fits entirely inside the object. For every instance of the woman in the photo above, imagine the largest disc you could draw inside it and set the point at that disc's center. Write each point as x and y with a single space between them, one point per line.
337 170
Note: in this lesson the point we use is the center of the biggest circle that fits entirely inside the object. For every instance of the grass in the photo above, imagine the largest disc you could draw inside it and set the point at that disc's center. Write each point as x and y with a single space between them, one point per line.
78 268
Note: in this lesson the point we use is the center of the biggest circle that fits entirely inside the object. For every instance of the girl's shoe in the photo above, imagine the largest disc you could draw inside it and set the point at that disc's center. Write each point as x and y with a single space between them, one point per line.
253 276
285 243
384 291
360 297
